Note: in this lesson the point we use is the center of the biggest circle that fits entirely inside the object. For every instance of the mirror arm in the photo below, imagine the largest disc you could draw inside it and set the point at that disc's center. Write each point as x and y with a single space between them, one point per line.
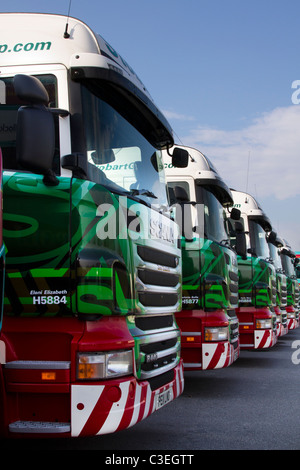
50 178
168 151
59 112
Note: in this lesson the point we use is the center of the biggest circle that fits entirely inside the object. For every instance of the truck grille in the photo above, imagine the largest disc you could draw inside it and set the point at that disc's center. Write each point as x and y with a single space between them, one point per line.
158 294
273 292
147 323
234 289
283 317
233 328
158 341
157 280
283 295
274 322
156 256
159 355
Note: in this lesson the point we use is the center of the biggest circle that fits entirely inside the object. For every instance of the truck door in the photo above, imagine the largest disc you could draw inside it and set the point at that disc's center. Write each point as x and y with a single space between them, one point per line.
35 221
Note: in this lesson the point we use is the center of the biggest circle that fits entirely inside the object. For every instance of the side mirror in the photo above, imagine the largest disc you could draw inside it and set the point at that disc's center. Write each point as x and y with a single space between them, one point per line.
180 158
272 237
240 246
35 128
30 89
235 214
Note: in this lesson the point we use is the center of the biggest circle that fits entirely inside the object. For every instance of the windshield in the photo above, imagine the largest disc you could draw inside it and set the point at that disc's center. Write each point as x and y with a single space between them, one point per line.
288 265
258 240
119 156
298 271
214 215
274 254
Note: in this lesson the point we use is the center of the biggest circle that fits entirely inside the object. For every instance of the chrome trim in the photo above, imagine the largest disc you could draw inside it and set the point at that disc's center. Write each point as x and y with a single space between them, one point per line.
191 333
56 365
192 364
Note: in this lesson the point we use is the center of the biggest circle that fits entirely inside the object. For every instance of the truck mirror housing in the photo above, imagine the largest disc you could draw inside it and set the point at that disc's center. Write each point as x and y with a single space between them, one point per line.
30 90
180 158
240 246
35 142
235 214
272 237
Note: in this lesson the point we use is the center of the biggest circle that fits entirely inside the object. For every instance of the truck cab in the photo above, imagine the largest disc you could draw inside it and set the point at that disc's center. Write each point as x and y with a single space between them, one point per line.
2 250
257 282
297 266
288 258
297 270
208 323
275 244
89 341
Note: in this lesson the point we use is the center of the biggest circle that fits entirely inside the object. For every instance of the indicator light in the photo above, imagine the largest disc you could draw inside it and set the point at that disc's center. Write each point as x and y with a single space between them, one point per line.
48 375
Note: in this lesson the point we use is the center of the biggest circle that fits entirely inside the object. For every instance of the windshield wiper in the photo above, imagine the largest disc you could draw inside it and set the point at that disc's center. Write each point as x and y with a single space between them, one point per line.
225 242
142 192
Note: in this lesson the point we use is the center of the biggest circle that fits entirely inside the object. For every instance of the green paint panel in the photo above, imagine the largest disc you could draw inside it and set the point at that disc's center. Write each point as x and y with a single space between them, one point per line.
208 272
255 282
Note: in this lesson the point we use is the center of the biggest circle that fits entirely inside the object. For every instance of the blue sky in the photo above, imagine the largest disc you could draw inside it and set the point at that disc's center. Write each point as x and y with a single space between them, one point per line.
222 72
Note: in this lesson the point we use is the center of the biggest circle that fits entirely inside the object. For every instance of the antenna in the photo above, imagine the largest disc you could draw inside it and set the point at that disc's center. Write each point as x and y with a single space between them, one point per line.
66 34
248 172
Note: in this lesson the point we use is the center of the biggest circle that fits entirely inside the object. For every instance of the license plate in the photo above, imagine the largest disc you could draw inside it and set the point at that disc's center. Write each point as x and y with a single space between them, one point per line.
163 398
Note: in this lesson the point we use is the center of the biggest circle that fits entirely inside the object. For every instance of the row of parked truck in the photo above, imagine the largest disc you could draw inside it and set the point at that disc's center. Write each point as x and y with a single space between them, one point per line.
240 289
126 259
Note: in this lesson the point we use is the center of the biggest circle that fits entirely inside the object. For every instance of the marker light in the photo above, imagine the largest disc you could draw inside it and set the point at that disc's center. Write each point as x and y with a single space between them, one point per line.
216 334
104 365
48 375
190 339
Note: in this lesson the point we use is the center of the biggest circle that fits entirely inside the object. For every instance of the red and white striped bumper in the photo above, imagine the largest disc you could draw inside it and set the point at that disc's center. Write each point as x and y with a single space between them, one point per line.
292 323
218 355
119 404
264 339
283 330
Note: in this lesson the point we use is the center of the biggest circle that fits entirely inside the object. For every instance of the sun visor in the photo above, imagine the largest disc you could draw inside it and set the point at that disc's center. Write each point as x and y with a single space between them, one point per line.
259 217
126 97
218 188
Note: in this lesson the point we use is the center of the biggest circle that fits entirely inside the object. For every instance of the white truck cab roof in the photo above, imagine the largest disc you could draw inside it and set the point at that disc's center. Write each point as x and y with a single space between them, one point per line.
250 208
201 170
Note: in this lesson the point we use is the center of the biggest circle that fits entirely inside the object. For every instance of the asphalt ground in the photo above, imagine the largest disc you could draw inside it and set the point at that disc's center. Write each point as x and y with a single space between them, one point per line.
252 405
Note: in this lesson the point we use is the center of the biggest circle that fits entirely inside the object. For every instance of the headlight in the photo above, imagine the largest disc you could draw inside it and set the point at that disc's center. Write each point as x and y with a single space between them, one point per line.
290 315
104 365
216 334
264 323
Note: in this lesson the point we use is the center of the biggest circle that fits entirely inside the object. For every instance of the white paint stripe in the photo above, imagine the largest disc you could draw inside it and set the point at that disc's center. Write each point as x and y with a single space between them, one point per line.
137 405
148 400
2 352
117 410
88 395
208 348
182 379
